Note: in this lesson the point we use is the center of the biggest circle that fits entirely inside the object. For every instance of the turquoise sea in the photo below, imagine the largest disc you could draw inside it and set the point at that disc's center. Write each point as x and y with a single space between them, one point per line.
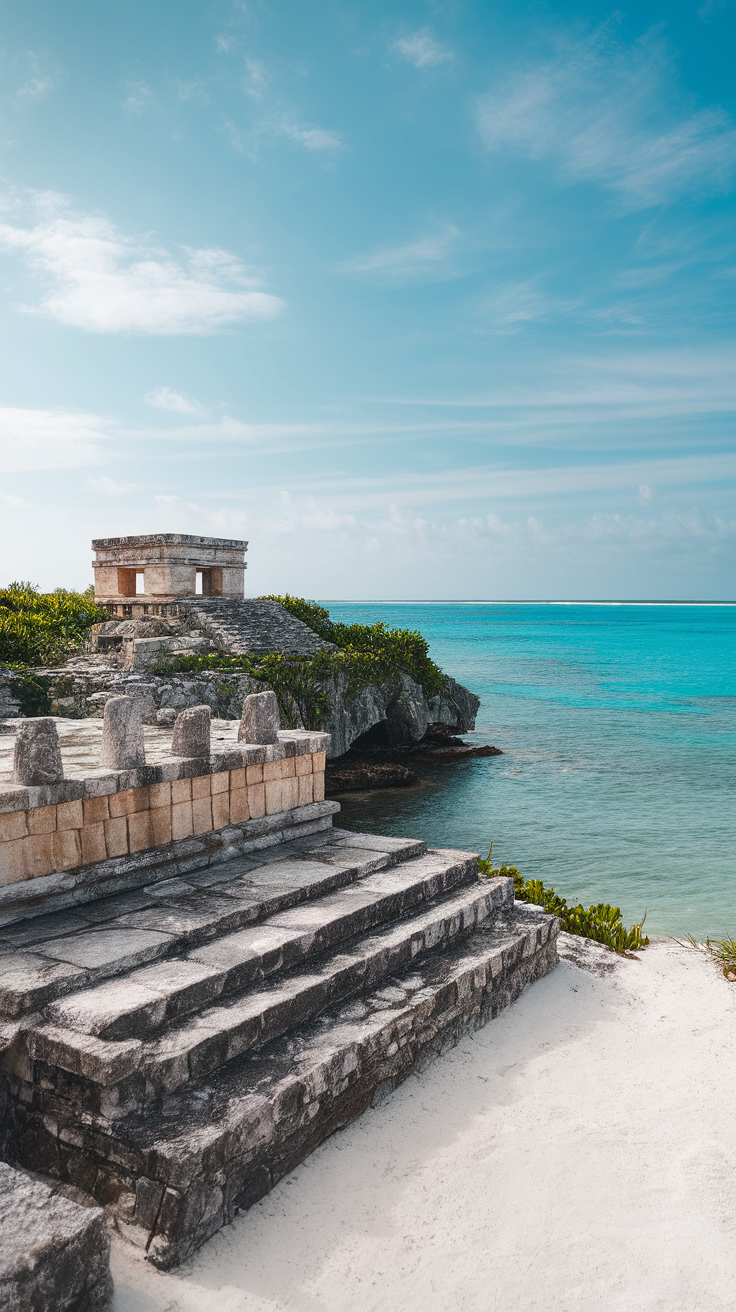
618 727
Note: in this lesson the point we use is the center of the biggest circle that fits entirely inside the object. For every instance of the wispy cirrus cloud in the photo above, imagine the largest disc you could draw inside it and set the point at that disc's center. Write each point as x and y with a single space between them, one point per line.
103 281
138 99
605 112
37 440
40 79
312 139
422 49
165 398
425 257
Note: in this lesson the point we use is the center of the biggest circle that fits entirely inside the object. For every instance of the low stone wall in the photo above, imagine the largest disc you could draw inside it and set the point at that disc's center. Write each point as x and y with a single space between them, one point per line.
95 816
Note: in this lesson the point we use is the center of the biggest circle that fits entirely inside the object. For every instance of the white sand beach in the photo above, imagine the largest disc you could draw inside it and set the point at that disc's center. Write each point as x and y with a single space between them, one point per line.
579 1153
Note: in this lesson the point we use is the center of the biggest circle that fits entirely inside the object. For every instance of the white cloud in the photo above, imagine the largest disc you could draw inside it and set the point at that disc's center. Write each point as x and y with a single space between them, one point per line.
105 282
38 440
108 487
608 113
138 98
313 139
179 516
38 83
164 398
256 79
14 503
426 256
514 305
422 49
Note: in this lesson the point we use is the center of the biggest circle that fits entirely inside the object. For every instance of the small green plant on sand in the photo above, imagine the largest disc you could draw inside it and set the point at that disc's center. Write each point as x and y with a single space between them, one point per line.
602 923
720 950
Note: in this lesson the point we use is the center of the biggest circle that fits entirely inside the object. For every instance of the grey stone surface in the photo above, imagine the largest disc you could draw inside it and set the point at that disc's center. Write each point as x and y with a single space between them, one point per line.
192 732
37 753
288 991
54 1253
260 721
122 735
84 777
119 875
255 626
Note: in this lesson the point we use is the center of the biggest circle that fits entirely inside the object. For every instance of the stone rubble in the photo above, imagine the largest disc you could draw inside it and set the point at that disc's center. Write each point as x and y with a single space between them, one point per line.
54 1253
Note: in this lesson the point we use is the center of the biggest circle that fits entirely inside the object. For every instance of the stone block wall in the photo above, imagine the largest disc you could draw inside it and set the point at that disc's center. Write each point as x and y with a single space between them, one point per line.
43 840
100 830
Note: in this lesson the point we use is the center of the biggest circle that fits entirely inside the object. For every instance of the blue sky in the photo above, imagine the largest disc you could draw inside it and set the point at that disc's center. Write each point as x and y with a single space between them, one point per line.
425 300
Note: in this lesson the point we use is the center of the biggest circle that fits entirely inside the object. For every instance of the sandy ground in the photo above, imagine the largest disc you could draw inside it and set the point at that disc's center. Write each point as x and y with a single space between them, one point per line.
578 1153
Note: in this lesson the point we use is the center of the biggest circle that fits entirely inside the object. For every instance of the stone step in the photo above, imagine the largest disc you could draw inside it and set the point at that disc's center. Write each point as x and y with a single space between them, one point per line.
152 997
256 626
222 1033
51 956
130 1072
223 1141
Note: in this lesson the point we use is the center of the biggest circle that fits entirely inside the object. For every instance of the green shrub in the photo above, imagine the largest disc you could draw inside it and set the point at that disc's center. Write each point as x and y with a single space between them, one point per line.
44 628
367 653
384 650
602 923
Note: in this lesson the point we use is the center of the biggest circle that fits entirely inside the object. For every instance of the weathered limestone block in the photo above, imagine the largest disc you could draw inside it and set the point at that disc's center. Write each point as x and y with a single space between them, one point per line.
260 721
37 756
54 1254
192 732
122 735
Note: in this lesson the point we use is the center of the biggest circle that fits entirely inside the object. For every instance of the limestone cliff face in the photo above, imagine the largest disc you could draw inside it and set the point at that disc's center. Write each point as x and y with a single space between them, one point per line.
391 713
394 713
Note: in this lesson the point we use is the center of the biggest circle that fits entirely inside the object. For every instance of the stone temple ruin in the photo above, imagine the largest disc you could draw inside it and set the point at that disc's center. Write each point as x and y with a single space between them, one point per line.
201 977
137 576
174 592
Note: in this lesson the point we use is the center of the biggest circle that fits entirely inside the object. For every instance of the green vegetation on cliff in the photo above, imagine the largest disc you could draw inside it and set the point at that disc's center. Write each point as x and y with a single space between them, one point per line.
379 647
367 654
44 628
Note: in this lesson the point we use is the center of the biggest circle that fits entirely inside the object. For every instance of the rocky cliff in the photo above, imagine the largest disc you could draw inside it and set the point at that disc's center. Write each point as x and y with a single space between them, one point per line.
390 710
391 713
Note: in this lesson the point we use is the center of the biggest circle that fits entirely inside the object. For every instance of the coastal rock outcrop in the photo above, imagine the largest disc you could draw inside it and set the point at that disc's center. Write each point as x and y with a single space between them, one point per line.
392 713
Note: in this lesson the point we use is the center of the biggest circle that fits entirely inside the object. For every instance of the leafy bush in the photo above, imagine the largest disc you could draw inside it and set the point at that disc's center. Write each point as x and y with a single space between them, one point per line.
383 650
367 653
44 628
602 923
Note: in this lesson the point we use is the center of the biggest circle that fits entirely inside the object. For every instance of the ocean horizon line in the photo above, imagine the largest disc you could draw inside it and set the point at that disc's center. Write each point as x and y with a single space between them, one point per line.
509 601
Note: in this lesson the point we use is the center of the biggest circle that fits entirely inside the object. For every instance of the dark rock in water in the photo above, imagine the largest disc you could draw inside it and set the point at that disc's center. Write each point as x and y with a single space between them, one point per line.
364 776
457 751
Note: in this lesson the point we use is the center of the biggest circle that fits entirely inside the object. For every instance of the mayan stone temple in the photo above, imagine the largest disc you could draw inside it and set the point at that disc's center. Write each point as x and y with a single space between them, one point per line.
143 575
201 975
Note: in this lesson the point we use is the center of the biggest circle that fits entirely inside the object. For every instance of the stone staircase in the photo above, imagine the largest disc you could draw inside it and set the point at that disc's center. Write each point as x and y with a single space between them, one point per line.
218 1026
252 627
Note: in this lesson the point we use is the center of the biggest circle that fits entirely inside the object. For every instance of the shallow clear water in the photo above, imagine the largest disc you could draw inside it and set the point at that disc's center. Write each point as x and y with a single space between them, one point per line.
618 724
